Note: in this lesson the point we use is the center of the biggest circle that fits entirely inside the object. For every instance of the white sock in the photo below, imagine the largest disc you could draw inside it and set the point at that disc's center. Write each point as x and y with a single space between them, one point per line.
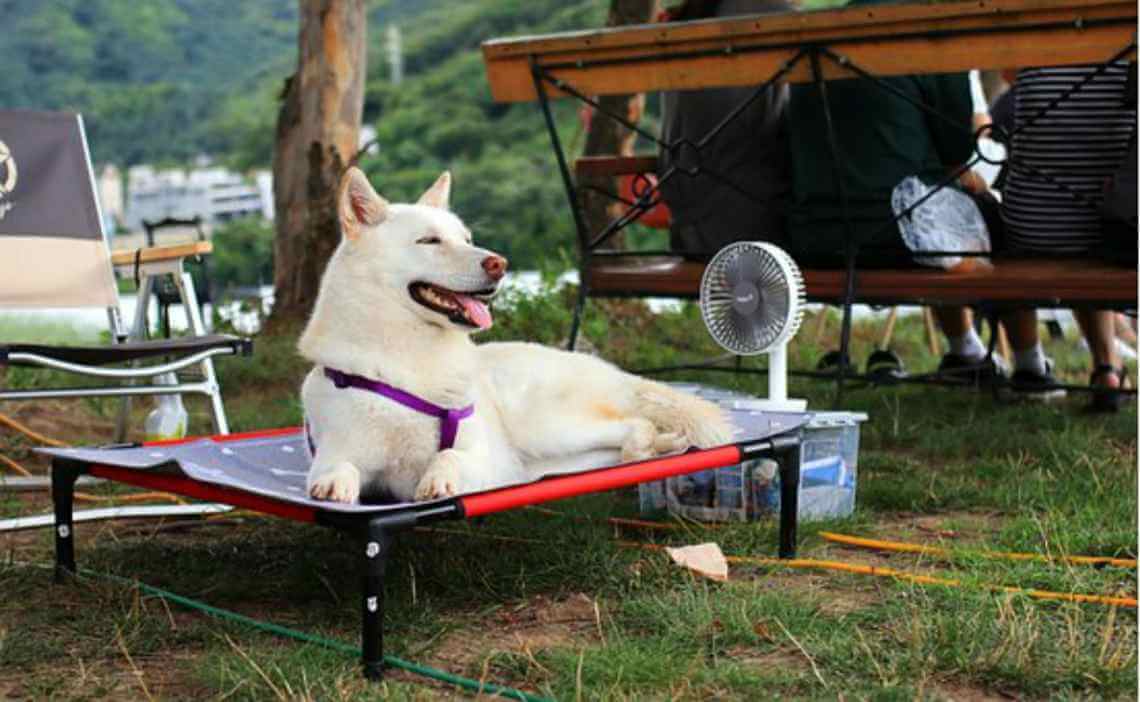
968 346
1031 359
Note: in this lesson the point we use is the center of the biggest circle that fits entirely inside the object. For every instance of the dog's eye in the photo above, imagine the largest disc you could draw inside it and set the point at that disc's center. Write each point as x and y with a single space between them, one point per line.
428 240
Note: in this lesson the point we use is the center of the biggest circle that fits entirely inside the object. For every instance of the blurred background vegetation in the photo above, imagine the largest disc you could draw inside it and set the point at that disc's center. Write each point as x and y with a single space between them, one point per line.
163 81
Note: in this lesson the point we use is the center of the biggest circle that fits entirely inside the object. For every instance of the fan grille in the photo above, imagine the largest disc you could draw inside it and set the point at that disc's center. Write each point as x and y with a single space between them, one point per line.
752 297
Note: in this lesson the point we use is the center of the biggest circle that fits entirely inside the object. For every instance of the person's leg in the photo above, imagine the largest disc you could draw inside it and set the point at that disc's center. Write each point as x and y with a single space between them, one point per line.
1028 355
1021 325
1099 329
967 360
1032 376
957 324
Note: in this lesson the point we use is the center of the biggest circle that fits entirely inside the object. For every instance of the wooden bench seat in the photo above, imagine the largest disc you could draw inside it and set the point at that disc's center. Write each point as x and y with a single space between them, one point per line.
1037 282
1051 282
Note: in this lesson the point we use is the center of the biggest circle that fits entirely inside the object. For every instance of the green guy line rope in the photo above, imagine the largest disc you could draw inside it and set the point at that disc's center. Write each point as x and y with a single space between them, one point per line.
415 668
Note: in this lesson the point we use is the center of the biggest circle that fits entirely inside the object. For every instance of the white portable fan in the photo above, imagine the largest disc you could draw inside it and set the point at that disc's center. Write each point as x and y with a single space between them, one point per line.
752 302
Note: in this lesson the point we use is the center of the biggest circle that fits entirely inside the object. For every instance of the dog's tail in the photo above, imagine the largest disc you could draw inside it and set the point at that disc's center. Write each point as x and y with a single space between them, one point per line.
700 421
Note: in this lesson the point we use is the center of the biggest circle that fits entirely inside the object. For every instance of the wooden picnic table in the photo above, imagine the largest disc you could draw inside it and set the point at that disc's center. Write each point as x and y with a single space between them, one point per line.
861 41
891 39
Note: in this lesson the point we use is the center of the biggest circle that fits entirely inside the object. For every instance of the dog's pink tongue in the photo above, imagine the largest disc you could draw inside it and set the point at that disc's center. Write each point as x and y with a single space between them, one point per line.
476 311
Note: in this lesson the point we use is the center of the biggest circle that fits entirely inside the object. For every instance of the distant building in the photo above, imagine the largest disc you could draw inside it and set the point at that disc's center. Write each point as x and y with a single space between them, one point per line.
215 194
109 183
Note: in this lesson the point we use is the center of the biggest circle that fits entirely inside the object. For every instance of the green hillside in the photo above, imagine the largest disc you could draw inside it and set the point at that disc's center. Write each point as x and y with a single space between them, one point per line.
165 80
151 78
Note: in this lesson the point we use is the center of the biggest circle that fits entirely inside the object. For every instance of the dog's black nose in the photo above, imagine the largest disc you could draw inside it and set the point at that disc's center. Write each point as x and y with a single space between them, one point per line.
495 266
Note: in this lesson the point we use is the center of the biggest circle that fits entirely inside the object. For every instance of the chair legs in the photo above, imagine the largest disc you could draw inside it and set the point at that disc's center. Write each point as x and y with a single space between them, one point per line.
138 331
185 285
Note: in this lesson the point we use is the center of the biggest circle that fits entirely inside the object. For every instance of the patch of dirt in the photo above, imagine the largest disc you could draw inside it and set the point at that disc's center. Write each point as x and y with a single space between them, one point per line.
834 597
525 628
786 659
838 602
112 678
966 692
953 526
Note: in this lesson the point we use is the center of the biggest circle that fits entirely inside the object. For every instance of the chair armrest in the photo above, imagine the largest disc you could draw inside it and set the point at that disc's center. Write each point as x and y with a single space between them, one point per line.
615 165
156 254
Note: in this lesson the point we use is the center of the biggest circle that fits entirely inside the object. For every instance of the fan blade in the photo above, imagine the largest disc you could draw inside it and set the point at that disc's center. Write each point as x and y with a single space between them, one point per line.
727 268
748 330
750 265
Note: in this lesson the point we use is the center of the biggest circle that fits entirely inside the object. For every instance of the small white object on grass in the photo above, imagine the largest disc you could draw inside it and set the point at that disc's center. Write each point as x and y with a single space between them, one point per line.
704 559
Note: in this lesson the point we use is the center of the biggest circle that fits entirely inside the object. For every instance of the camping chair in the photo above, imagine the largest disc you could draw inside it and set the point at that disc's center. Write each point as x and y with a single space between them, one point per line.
54 253
167 292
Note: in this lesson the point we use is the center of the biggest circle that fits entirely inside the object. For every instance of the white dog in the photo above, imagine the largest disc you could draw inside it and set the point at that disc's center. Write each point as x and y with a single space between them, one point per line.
390 337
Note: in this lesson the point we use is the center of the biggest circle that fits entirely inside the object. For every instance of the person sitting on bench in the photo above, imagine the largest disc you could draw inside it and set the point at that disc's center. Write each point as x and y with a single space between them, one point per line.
882 138
1060 159
742 190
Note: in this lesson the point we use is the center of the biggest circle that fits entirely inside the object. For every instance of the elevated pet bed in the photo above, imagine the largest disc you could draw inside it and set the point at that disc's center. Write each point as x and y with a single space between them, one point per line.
265 471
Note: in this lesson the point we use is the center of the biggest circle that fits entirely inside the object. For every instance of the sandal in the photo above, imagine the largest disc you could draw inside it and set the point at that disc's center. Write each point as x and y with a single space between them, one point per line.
1107 399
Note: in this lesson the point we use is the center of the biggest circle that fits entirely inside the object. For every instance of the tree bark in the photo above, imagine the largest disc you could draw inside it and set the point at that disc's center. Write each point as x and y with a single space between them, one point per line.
318 127
607 136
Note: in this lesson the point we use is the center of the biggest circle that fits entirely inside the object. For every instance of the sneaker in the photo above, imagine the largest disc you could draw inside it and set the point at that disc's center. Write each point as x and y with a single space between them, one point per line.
832 362
980 372
884 366
1034 386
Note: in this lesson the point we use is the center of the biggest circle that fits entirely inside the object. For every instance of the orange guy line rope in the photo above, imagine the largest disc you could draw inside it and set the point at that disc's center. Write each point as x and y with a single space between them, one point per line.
903 547
30 433
15 466
85 496
813 564
130 497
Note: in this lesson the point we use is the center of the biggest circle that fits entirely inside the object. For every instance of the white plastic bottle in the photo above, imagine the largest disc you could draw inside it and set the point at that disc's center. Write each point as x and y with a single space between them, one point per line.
168 419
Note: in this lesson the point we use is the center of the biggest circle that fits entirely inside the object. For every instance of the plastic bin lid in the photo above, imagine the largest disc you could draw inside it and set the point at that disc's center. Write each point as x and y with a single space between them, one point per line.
822 420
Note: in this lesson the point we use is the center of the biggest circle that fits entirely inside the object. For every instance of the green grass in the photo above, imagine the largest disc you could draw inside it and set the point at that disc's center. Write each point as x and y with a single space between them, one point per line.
554 605
21 329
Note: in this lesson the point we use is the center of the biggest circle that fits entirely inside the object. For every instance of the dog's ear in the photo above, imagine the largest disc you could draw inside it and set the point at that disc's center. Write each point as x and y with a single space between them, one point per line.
439 193
359 205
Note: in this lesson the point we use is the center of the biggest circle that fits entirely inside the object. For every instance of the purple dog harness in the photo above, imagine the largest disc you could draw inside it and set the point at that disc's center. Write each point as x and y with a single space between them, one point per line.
448 418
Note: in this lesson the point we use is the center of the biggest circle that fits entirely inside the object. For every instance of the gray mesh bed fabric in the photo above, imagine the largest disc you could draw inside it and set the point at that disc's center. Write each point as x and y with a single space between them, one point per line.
276 466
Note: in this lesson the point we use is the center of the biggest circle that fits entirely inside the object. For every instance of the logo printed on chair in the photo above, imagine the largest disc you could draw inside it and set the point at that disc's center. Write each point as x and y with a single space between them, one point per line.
7 177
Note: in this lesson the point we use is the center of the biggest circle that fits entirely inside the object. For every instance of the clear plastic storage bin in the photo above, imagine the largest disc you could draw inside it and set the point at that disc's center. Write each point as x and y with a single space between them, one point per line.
829 459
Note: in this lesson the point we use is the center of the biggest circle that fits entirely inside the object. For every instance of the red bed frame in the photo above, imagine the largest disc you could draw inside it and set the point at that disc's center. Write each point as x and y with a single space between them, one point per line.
376 529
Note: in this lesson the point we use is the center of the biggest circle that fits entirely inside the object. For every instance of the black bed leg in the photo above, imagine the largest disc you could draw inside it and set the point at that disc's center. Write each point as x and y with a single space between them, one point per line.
376 544
63 477
579 310
789 460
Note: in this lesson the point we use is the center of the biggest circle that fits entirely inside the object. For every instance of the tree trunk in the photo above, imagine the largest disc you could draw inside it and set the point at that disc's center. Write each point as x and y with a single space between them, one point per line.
318 128
606 136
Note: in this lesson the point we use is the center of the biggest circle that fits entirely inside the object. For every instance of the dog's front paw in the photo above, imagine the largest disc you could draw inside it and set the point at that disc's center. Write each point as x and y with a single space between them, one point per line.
441 478
341 483
438 483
